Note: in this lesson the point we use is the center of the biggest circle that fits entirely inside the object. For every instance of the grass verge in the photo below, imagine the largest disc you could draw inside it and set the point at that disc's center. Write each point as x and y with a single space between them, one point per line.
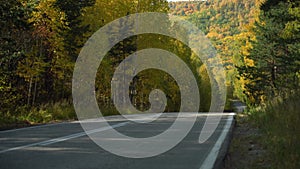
280 123
24 116
267 137
246 149
47 113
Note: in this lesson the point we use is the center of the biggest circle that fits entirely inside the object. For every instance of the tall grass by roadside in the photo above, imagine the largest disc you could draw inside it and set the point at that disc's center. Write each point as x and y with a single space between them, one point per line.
52 112
62 110
280 122
24 116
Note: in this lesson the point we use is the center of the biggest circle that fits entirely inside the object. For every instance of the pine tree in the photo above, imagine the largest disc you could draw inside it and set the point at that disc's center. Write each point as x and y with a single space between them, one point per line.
74 32
276 59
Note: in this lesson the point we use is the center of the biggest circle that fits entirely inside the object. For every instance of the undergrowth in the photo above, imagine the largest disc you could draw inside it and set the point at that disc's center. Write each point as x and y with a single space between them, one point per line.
46 113
280 122
52 112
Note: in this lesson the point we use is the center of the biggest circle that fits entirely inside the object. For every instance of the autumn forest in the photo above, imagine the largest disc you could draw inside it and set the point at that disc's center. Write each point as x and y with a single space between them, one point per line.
258 42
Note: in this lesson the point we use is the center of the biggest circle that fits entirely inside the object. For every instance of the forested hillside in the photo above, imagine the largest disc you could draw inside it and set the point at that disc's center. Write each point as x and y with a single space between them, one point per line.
238 28
184 8
226 24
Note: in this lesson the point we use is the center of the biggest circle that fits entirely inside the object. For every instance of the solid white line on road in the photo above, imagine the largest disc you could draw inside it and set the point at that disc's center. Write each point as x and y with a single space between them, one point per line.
65 138
212 156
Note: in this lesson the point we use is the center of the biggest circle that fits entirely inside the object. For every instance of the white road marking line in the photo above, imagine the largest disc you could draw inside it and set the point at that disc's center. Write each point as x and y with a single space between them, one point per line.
212 156
102 119
65 138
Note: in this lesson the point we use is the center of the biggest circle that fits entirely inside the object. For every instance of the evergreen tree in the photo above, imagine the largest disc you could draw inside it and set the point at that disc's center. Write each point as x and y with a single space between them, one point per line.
276 59
74 32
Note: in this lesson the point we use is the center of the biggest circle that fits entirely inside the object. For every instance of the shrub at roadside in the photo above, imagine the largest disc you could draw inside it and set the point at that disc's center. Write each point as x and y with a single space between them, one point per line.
24 116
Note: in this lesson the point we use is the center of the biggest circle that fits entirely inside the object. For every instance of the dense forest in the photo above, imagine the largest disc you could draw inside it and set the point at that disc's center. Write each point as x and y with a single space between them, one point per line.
40 41
184 8
258 42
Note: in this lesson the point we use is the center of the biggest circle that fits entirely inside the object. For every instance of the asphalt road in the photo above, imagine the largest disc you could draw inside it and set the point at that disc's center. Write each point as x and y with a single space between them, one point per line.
66 146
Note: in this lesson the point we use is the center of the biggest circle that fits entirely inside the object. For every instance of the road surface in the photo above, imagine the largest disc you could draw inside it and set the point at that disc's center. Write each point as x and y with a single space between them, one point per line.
66 146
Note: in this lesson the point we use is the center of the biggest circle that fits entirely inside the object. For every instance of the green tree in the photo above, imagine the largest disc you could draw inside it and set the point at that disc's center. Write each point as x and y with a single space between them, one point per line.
14 41
275 53
74 31
46 65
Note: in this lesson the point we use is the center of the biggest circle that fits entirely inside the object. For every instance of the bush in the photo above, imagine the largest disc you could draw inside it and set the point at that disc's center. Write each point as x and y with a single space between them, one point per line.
24 115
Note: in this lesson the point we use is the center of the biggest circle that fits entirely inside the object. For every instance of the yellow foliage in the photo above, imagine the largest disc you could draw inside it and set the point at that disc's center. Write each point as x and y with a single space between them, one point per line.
212 35
249 62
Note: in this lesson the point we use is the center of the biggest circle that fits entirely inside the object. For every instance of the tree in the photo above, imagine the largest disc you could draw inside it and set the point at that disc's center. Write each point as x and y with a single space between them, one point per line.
74 31
46 65
14 34
110 11
275 54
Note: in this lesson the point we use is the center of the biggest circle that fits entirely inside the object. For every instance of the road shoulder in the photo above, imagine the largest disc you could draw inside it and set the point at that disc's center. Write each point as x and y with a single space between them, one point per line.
246 150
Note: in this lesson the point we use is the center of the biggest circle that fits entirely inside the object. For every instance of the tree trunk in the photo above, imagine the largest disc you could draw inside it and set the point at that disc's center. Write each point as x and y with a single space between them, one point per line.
29 92
34 92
